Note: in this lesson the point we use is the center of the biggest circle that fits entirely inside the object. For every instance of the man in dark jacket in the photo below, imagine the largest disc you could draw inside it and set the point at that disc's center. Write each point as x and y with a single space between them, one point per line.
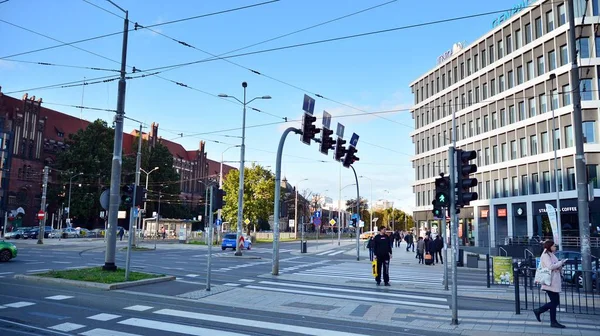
439 246
382 247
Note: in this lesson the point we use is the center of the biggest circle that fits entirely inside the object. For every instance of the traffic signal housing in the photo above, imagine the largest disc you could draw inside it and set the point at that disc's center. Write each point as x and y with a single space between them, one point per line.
327 142
442 191
309 130
141 194
350 157
340 149
127 195
437 211
464 181
219 199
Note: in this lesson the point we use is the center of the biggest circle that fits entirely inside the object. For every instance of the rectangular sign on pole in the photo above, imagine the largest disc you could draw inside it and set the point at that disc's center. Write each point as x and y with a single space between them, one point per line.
354 140
326 120
308 105
340 130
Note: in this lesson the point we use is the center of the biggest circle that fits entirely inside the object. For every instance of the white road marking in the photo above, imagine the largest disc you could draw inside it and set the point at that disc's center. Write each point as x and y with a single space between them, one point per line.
19 304
337 252
231 284
177 328
106 332
39 270
138 308
104 317
192 275
59 297
66 327
246 280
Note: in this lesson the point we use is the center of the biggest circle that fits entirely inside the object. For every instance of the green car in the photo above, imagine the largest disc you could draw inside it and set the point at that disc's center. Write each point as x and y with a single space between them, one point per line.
7 251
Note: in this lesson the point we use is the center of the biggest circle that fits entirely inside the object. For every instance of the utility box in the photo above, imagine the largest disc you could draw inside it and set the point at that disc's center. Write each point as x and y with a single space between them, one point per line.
472 260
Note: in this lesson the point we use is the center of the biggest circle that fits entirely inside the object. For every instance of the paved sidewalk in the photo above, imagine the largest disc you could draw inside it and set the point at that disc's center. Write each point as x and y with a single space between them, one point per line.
315 247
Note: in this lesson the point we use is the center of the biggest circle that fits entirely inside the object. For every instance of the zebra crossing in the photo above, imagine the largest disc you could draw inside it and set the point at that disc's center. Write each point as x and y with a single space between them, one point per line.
258 250
332 252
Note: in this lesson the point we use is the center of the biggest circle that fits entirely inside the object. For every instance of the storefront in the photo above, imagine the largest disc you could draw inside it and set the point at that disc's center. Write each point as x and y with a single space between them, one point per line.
483 227
466 230
501 224
519 222
569 218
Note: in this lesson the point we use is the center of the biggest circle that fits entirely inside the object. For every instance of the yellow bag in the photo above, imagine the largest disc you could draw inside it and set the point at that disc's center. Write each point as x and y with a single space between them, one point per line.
374 264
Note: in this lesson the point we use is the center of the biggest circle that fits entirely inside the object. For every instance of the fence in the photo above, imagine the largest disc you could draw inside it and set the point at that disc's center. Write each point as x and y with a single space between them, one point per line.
573 297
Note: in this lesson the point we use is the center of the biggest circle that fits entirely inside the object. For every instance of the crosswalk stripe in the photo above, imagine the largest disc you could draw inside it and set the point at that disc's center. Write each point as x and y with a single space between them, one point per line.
353 291
251 323
106 332
393 279
365 274
324 253
337 252
177 328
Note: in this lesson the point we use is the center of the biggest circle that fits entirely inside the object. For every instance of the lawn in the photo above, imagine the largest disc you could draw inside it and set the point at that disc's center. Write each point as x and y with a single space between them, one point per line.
97 274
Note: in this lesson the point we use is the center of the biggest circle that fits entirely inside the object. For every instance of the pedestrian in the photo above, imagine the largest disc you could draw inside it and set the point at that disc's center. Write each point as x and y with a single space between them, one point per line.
121 233
397 238
439 246
163 232
420 250
548 260
409 242
370 247
383 253
429 250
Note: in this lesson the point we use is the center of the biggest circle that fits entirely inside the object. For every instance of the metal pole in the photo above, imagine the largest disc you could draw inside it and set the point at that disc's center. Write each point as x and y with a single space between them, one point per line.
158 216
340 210
275 262
302 234
556 184
295 214
240 214
445 238
220 187
43 220
580 163
69 201
358 214
371 205
5 223
454 236
132 225
206 206
115 175
210 241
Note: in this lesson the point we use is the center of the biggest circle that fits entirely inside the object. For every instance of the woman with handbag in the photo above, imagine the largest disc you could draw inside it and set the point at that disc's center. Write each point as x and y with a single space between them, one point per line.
549 274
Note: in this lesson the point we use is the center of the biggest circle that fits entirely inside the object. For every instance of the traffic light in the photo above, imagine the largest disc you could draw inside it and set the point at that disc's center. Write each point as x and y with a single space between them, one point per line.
442 191
309 130
219 197
340 149
350 157
140 195
437 210
327 142
127 195
464 182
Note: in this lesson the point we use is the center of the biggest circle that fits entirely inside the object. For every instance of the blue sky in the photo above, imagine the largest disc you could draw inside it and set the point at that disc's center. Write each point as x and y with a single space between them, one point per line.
369 73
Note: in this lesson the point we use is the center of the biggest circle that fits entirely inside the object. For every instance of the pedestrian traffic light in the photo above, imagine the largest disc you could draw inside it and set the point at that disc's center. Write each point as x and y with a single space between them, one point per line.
442 191
340 149
327 142
437 210
350 157
127 195
140 195
219 197
309 130
464 182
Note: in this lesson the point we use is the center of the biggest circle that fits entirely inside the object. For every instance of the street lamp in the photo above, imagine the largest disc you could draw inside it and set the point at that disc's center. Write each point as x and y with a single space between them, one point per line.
69 202
371 201
296 211
240 215
147 174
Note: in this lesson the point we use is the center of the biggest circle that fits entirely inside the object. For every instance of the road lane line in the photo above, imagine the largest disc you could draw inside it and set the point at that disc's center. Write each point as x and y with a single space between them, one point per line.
177 328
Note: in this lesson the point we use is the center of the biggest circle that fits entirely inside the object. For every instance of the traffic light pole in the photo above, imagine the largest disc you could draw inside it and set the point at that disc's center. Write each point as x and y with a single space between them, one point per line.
357 227
445 237
210 241
275 261
132 226
453 227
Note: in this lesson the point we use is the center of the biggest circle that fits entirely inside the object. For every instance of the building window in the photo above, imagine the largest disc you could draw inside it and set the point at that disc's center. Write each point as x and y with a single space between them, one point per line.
592 174
508 44
568 136
500 49
487 189
486 123
511 79
551 60
571 179
504 152
476 62
483 59
462 70
564 55
554 100
520 78
444 139
556 139
518 39
464 131
471 128
560 180
538 28
566 94
535 183
496 188
543 104
513 150
586 89
546 182
478 126
470 98
495 154
533 144
523 145
545 144
528 35
583 47
530 73
562 14
532 107
549 21
487 156
522 115
524 185
505 187
492 87
540 65
515 186
589 132
502 117
477 94
469 67
494 120
449 77
501 83
491 54
484 91
511 114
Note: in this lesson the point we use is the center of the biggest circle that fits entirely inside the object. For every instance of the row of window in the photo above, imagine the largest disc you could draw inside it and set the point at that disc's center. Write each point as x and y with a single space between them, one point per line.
523 185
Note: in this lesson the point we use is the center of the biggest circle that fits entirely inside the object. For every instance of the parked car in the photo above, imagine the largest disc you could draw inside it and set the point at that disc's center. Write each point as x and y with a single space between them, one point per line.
70 233
7 251
230 239
17 234
573 269
34 232
55 234
368 234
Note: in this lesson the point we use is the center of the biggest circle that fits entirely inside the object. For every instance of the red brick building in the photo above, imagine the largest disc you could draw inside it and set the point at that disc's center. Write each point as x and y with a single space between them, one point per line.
31 136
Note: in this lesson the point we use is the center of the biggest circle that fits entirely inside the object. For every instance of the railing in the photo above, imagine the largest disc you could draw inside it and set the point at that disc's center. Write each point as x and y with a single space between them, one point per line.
528 252
502 249
573 297
567 241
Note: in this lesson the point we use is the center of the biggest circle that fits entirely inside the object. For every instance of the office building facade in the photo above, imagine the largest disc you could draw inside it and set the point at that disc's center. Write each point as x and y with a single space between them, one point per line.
510 92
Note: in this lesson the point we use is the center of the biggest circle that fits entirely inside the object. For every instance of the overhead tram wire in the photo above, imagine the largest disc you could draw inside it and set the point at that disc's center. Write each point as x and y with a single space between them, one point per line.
63 65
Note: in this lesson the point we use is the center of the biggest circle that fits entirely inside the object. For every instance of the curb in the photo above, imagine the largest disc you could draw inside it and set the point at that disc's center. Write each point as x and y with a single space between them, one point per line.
96 285
238 257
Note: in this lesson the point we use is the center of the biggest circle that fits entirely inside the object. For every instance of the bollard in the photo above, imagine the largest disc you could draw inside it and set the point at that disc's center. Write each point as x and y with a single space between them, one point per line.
487 267
516 282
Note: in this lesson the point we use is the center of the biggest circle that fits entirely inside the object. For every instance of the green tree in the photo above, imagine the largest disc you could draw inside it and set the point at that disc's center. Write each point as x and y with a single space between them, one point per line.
259 195
364 208
89 153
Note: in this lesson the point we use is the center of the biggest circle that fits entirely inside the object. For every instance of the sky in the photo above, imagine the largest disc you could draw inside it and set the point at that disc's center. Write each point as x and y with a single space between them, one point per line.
364 74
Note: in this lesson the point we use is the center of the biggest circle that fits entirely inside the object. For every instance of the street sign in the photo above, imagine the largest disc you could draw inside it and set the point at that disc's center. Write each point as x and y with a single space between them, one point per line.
292 223
219 222
332 222
247 221
354 140
326 120
41 215
308 105
317 221
340 130
136 212
317 214
105 199
354 216
361 224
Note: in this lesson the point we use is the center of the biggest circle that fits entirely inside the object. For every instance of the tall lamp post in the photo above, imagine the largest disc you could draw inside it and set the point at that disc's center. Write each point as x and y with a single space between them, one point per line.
296 211
240 214
69 201
221 179
370 201
147 174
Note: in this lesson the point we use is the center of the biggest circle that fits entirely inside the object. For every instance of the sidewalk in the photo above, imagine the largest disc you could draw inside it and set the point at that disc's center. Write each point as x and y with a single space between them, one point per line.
320 246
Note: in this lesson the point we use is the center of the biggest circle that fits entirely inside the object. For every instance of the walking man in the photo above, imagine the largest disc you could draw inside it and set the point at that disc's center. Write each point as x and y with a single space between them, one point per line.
382 247
439 246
